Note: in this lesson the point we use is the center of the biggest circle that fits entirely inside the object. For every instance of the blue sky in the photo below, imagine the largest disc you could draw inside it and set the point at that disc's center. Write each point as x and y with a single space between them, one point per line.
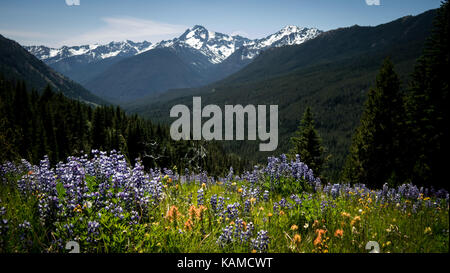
54 23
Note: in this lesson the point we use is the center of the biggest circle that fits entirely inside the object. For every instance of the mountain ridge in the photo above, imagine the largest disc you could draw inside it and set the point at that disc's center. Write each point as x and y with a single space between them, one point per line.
16 63
209 55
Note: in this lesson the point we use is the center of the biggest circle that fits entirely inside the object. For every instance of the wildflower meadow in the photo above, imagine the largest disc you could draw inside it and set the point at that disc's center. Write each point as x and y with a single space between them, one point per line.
106 205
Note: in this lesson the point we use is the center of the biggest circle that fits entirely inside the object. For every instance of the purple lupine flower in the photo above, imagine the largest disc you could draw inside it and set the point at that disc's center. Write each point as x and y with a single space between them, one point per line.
247 205
276 208
232 210
213 202
24 228
266 196
296 199
220 205
226 237
200 196
261 243
335 190
93 231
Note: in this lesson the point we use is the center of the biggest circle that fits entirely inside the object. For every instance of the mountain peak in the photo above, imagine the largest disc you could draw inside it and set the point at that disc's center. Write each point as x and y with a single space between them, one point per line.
291 28
198 27
196 36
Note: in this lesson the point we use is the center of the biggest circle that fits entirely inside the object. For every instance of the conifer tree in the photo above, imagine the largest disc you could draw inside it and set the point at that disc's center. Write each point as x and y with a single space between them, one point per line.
374 153
427 106
307 143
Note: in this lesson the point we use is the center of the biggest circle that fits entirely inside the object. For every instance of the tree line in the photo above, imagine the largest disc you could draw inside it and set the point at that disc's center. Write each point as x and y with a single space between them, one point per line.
34 124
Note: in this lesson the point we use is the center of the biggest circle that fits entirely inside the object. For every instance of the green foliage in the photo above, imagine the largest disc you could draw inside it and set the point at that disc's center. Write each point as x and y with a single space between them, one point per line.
427 102
374 153
50 124
61 191
284 186
403 137
307 143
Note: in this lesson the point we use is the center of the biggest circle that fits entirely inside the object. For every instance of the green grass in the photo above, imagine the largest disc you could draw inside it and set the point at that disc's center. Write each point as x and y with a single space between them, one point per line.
361 220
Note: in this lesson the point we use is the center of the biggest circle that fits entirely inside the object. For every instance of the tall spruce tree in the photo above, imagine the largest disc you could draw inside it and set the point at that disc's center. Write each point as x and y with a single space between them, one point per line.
427 106
307 143
374 153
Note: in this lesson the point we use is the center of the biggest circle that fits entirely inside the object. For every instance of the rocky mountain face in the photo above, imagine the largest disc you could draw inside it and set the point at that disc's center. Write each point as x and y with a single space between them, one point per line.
201 56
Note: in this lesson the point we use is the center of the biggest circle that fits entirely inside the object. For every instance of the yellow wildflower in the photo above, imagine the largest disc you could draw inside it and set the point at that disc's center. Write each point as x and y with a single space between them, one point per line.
77 208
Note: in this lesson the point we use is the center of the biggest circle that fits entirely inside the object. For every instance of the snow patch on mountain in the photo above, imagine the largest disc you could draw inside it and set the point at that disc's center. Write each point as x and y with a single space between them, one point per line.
91 53
287 36
216 46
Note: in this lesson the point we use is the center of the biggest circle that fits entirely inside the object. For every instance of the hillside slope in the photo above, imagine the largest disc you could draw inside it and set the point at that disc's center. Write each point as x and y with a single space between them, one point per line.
195 58
149 72
17 63
331 73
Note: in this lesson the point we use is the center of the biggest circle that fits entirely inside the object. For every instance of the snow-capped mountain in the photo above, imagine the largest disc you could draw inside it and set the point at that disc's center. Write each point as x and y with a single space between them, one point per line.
218 46
214 45
289 35
123 71
89 53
